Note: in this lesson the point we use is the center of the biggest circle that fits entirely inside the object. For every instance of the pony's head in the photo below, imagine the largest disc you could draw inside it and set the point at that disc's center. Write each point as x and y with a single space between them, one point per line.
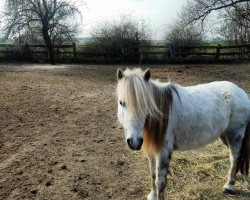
136 102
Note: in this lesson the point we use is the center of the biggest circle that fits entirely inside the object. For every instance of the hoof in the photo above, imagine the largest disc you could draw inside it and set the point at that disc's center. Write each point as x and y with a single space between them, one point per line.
151 196
228 191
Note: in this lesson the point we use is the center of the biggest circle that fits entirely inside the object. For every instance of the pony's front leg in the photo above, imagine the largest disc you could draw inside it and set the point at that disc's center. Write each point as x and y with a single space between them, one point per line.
162 163
152 194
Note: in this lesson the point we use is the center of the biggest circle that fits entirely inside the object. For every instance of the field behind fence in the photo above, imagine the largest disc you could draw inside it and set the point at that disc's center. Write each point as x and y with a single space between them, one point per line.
76 53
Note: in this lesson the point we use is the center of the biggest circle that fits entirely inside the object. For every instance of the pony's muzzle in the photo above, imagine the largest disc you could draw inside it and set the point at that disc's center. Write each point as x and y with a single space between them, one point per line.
135 144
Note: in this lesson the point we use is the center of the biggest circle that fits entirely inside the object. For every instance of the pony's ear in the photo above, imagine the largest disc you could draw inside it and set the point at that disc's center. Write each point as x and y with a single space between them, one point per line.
120 74
147 74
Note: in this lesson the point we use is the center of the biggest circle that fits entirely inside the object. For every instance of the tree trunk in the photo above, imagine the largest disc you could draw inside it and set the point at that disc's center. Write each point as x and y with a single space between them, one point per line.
47 40
51 54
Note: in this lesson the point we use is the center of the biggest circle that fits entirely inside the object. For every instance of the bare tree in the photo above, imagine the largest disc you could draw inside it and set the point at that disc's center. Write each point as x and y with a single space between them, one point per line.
183 38
178 34
236 23
196 10
51 19
235 15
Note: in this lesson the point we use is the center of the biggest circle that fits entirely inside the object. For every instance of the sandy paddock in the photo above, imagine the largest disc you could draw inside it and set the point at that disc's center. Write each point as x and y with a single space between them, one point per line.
59 136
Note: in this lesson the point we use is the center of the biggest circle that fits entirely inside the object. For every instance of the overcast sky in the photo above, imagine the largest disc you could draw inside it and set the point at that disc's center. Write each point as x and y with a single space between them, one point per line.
156 13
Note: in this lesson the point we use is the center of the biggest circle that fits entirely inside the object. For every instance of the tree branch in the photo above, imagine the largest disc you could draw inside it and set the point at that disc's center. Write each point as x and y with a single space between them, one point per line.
211 8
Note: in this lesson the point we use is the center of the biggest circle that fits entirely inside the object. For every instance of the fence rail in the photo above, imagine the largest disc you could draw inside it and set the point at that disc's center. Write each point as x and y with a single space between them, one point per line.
141 53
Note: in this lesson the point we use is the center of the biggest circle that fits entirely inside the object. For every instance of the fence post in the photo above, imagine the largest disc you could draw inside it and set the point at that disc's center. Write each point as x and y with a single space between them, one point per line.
27 52
74 52
169 53
140 54
218 51
123 55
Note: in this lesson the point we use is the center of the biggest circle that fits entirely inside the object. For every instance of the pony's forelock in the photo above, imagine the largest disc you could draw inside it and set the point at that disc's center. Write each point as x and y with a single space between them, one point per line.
138 94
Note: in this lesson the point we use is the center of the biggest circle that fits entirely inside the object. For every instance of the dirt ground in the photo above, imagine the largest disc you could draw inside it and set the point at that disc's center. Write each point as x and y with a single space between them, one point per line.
59 136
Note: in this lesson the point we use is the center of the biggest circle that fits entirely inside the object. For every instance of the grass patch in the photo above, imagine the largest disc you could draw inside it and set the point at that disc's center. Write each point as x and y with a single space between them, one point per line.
201 174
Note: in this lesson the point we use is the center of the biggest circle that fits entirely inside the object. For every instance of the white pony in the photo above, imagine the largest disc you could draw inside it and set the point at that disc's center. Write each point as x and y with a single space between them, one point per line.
166 117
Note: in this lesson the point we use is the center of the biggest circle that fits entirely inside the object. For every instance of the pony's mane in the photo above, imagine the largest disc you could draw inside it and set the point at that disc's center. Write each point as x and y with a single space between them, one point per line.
147 98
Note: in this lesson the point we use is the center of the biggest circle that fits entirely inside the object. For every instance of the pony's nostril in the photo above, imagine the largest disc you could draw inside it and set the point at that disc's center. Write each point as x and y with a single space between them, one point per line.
140 141
129 143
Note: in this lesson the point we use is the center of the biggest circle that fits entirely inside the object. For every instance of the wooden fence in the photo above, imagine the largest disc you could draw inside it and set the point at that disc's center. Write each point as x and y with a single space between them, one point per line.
74 53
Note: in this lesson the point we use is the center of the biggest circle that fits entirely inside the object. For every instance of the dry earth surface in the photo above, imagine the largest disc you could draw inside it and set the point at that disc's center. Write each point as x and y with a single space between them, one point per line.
59 136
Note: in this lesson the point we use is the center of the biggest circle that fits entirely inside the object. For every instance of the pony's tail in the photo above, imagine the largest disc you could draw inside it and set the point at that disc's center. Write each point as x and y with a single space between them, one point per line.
244 155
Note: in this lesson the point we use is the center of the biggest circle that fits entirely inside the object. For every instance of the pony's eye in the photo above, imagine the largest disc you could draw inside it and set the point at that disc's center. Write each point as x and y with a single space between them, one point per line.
122 103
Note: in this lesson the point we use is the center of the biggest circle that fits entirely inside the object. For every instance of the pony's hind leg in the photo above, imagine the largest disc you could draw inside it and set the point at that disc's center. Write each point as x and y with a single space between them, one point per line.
152 165
223 139
234 142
